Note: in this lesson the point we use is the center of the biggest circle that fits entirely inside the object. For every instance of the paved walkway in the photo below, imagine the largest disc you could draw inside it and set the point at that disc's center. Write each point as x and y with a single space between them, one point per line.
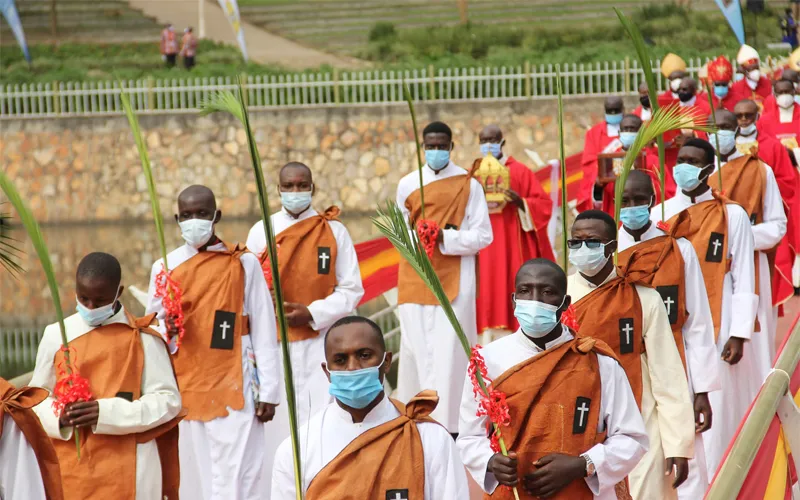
262 47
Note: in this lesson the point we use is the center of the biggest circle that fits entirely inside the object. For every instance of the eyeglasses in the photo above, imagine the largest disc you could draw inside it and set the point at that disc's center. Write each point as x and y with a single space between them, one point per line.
592 243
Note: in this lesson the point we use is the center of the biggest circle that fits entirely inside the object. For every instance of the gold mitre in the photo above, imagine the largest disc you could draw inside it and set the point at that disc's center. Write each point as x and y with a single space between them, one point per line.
495 179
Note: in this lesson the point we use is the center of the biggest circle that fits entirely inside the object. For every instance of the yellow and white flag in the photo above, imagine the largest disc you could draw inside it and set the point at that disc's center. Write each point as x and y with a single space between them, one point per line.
231 10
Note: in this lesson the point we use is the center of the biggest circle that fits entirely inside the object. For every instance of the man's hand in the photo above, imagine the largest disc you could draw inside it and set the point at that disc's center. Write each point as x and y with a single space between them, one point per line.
504 468
732 352
682 470
680 140
265 411
702 407
514 198
80 414
440 236
297 314
172 330
553 472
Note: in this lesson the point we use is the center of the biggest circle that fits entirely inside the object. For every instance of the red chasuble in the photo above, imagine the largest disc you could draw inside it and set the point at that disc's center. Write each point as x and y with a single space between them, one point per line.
775 154
596 142
740 90
770 105
498 263
728 102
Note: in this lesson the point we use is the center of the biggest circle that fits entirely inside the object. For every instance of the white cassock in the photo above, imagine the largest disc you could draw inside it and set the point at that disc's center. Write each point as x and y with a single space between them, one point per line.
20 476
224 458
699 348
614 458
160 401
767 235
431 356
741 382
307 356
328 433
668 414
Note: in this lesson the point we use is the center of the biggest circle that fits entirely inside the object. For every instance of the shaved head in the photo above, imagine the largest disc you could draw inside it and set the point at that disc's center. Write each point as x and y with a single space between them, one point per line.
630 123
643 88
296 168
491 133
543 269
640 182
197 194
746 106
790 75
725 120
613 104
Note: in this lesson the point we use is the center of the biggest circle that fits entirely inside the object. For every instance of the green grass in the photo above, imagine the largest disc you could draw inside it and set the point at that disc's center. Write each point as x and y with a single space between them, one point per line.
85 62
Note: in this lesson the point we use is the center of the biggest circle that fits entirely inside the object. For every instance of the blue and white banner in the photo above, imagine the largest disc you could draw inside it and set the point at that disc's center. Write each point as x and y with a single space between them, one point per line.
732 10
231 10
9 11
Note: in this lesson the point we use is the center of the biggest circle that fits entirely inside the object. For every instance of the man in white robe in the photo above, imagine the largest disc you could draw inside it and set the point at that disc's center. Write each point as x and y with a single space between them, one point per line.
697 330
431 356
739 372
310 385
667 413
159 402
767 234
611 460
224 458
356 344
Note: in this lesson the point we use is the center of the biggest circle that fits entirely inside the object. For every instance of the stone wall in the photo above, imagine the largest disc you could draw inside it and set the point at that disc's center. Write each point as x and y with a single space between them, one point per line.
88 170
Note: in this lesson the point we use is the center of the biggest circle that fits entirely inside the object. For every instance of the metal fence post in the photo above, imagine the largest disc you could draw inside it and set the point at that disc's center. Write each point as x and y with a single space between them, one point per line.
336 85
431 82
528 79
243 79
56 99
627 74
150 95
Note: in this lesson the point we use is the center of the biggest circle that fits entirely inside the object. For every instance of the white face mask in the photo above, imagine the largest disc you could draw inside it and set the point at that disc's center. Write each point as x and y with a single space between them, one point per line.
754 75
785 101
675 84
197 232
589 261
748 130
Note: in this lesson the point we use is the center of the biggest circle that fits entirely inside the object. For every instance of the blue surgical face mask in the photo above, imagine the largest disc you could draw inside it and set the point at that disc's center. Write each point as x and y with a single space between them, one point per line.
635 217
613 119
687 176
797 98
296 201
537 319
589 261
627 138
437 159
726 138
493 148
737 77
356 388
96 316
720 91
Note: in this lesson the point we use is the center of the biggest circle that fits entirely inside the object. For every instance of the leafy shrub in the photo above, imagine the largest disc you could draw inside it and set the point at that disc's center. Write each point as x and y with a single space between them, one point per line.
382 30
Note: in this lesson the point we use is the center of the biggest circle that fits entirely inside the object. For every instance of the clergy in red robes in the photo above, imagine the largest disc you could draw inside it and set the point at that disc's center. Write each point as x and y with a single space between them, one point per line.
692 102
673 68
720 74
520 233
750 140
628 130
754 85
644 110
601 138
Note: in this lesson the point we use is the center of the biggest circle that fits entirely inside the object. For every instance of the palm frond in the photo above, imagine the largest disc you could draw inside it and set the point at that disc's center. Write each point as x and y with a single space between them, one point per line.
644 59
234 104
9 253
663 120
563 161
133 121
35 234
410 102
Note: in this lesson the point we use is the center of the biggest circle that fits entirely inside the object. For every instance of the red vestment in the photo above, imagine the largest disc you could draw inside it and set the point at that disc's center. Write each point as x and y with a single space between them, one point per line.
728 102
785 135
651 168
700 109
511 247
770 105
596 141
740 90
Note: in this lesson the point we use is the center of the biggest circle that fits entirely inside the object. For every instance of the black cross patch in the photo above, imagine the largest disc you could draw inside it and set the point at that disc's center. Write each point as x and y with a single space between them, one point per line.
323 260
669 294
451 226
224 323
396 494
753 218
581 418
127 396
715 247
626 335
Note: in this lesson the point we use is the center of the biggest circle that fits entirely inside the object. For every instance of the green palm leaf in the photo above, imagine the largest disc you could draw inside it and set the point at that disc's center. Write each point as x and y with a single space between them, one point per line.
563 161
9 253
227 102
392 224
407 96
35 235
